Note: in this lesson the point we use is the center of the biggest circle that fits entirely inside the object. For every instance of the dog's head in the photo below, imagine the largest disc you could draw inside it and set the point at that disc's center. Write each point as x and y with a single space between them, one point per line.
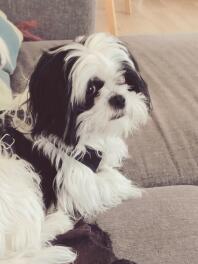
88 88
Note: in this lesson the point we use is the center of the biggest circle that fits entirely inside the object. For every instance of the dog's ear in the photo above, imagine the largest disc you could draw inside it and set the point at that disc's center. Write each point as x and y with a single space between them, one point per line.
132 58
135 77
50 92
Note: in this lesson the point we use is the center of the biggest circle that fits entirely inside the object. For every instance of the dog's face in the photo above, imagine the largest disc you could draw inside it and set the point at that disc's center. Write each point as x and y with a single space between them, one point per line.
90 88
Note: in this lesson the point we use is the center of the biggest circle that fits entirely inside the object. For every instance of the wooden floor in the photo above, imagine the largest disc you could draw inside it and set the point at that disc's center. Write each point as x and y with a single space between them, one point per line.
152 16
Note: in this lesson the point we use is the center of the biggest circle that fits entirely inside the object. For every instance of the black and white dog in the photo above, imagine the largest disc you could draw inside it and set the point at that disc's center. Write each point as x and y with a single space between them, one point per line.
84 98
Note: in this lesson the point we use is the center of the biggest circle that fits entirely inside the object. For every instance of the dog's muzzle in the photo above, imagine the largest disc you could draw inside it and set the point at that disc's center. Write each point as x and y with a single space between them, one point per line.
117 102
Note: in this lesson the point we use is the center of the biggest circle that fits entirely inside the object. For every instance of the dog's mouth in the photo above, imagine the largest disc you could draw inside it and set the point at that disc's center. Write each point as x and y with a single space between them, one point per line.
117 116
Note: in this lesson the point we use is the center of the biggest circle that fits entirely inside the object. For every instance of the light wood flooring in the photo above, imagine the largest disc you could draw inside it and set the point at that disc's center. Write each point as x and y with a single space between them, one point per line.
151 16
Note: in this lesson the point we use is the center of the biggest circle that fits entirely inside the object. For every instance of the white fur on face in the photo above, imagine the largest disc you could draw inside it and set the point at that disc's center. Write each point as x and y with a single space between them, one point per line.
98 120
102 56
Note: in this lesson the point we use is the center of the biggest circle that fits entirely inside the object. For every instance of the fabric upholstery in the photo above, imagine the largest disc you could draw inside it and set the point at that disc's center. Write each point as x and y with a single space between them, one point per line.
160 228
57 19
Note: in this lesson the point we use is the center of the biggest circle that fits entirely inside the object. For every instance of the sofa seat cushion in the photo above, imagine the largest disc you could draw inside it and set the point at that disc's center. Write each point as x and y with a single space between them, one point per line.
159 228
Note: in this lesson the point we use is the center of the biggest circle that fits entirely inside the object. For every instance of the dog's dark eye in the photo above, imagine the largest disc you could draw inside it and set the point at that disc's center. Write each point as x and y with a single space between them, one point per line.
94 85
91 89
131 88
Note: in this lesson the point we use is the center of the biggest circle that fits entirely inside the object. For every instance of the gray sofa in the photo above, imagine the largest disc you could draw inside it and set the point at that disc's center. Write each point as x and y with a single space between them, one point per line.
56 19
162 226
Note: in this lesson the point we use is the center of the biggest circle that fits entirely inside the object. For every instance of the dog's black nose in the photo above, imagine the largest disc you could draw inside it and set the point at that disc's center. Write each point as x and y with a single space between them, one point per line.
117 101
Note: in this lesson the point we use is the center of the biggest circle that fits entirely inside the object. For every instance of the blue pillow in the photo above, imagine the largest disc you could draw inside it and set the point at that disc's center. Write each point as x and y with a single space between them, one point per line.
10 43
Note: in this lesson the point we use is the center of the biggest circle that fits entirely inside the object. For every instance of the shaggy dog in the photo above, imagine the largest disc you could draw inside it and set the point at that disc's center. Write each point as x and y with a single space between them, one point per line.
84 98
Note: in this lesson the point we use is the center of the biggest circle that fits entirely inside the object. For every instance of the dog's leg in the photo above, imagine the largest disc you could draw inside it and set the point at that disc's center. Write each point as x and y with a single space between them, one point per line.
114 187
113 153
82 190
90 193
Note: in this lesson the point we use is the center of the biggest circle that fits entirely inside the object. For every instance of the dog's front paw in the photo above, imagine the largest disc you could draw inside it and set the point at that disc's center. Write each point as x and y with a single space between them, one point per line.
114 187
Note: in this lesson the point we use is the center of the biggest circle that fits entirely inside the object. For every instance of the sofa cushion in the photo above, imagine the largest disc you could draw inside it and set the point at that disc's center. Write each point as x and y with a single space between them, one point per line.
10 42
57 19
160 228
165 151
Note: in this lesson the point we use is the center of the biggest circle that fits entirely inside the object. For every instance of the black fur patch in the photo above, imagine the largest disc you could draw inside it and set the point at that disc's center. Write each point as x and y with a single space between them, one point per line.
50 94
135 81
23 147
42 165
93 89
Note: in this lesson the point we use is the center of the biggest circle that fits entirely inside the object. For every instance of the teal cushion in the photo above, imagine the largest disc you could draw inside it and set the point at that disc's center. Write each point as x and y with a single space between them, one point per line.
10 42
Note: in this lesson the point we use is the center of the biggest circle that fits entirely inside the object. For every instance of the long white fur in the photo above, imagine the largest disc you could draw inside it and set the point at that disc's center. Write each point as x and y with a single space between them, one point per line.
55 224
79 188
24 230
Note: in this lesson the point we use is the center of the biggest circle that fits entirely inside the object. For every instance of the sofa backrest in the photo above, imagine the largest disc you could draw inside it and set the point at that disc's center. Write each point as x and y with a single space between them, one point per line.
57 19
